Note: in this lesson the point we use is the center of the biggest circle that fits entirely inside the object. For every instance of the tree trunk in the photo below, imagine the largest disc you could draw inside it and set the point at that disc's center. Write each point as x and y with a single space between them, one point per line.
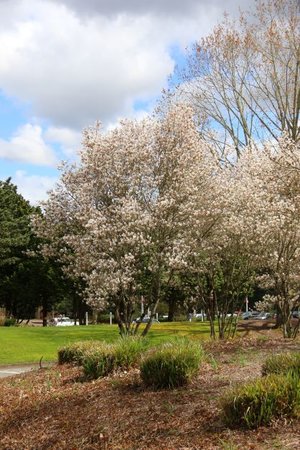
44 316
156 296
172 309
212 327
211 314
119 321
279 320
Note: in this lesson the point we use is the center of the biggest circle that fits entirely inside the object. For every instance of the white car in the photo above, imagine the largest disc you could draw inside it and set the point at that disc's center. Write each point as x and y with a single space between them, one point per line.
263 316
62 322
145 319
200 316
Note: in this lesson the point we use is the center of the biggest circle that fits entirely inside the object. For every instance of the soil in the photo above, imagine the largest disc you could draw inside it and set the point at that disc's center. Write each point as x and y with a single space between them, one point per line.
57 409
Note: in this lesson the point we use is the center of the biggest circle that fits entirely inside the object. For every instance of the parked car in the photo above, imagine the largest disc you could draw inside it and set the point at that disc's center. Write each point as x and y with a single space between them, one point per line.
246 315
145 319
263 316
255 314
200 316
232 314
296 314
62 322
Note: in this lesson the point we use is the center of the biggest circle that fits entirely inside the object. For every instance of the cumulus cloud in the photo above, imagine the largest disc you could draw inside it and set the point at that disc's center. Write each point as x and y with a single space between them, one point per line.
33 187
76 62
158 7
69 140
74 72
27 145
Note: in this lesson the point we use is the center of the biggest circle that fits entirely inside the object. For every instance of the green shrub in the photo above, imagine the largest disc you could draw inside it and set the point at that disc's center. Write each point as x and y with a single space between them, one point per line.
9 322
99 362
172 365
258 402
105 358
75 352
128 351
282 364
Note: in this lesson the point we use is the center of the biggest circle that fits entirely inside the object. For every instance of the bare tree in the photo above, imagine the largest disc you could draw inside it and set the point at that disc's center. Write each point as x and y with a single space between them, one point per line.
243 79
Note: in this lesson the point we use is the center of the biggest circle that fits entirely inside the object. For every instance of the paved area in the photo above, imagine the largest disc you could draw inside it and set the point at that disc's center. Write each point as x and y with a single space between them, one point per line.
8 371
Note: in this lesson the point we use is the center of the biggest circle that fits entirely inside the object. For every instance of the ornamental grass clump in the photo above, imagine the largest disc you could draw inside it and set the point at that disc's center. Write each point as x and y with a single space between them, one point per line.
258 402
106 358
99 362
172 365
74 353
128 351
282 364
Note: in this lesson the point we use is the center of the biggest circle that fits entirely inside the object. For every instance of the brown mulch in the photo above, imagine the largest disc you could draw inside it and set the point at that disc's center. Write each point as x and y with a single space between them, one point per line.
55 409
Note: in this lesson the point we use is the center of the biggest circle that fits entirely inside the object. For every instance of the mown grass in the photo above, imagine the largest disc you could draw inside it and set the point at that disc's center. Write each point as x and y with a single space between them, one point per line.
29 344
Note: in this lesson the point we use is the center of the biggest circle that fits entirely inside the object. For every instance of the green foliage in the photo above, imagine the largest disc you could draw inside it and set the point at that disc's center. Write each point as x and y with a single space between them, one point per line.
76 351
15 236
15 231
128 351
258 402
102 359
282 364
99 362
9 322
26 279
172 365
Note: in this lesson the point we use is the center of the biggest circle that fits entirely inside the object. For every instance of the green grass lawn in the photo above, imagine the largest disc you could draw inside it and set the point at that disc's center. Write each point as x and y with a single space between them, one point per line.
29 344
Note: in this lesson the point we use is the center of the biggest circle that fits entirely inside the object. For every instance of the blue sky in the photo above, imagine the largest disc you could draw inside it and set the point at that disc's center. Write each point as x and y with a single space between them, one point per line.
66 64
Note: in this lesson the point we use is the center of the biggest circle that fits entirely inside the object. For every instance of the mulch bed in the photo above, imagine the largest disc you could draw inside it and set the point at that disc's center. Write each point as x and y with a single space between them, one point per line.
56 409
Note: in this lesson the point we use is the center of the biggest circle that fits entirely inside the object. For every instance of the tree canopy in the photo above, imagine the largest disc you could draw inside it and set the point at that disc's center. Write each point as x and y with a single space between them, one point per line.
244 78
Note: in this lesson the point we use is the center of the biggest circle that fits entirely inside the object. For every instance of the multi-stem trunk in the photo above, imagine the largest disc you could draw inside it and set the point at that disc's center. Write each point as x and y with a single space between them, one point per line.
286 319
156 298
211 310
172 309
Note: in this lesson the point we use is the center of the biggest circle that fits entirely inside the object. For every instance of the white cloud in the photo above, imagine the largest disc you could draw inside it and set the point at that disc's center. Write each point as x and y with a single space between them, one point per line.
69 140
75 68
158 7
33 187
75 72
27 145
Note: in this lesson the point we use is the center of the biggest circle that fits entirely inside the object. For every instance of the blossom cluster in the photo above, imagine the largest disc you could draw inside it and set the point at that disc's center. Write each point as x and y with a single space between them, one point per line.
149 200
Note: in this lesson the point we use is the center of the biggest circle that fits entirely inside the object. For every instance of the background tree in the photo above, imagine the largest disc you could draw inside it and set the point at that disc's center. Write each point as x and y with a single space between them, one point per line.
27 281
243 79
15 236
14 224
272 178
219 262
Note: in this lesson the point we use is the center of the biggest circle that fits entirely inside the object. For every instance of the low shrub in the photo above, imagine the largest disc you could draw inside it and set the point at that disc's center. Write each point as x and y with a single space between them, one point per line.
75 352
9 322
258 402
105 358
128 351
172 365
282 364
99 362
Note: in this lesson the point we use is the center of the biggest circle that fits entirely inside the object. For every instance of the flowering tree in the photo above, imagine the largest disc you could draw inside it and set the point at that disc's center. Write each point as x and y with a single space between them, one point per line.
272 178
243 79
220 265
117 219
